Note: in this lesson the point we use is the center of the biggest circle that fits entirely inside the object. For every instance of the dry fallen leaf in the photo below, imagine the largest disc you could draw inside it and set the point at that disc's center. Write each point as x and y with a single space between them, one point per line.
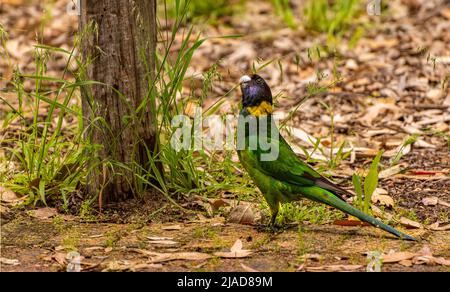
217 203
380 195
391 171
423 144
398 256
423 260
403 150
189 256
437 176
406 258
352 221
206 206
43 213
441 261
68 217
430 201
124 265
11 262
156 238
333 268
164 242
161 240
156 257
408 223
10 198
242 214
433 120
236 251
376 110
436 226
146 266
115 266
381 213
425 256
60 258
372 133
172 227
7 195
60 247
443 203
94 248
379 43
243 52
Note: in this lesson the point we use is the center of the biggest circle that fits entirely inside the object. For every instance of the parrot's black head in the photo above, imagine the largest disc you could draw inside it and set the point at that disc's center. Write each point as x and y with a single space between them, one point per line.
256 95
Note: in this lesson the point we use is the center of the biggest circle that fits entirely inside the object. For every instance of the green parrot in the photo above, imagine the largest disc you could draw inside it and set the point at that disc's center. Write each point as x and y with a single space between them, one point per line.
275 168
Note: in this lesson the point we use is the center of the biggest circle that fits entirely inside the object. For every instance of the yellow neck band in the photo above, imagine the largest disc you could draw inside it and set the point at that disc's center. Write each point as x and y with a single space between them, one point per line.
264 108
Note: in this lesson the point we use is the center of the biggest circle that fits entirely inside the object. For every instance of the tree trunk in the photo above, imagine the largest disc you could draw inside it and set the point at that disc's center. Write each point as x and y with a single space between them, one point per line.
119 41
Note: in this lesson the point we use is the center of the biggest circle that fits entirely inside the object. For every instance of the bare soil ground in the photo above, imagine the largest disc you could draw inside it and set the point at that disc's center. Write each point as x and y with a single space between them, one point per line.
42 245
389 91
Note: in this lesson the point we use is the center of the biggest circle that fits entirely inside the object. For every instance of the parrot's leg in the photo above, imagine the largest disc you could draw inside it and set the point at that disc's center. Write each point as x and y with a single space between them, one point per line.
274 207
273 218
271 227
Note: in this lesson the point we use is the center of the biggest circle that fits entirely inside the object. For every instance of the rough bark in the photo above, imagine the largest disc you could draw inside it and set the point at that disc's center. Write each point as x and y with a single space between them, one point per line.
121 50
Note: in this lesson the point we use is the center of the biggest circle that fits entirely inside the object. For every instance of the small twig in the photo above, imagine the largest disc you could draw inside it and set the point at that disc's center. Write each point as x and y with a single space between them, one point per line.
100 195
428 106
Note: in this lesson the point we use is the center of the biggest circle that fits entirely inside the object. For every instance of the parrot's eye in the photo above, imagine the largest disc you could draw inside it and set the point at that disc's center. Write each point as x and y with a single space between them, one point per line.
259 81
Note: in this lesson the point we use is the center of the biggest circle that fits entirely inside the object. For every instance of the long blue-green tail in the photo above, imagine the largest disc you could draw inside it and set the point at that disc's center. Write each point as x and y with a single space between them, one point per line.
324 196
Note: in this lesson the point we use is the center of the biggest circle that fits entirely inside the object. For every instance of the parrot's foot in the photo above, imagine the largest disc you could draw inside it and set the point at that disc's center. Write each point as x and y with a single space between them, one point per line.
270 228
275 228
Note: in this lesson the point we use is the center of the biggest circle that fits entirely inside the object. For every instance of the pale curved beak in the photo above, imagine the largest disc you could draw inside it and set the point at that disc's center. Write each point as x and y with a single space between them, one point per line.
244 79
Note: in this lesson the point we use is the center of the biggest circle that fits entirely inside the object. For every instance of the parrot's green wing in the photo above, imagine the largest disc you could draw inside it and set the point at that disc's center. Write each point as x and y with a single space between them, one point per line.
287 178
289 168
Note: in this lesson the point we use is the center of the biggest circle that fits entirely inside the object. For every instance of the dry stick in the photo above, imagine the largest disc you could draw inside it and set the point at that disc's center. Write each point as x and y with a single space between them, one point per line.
100 195
428 106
